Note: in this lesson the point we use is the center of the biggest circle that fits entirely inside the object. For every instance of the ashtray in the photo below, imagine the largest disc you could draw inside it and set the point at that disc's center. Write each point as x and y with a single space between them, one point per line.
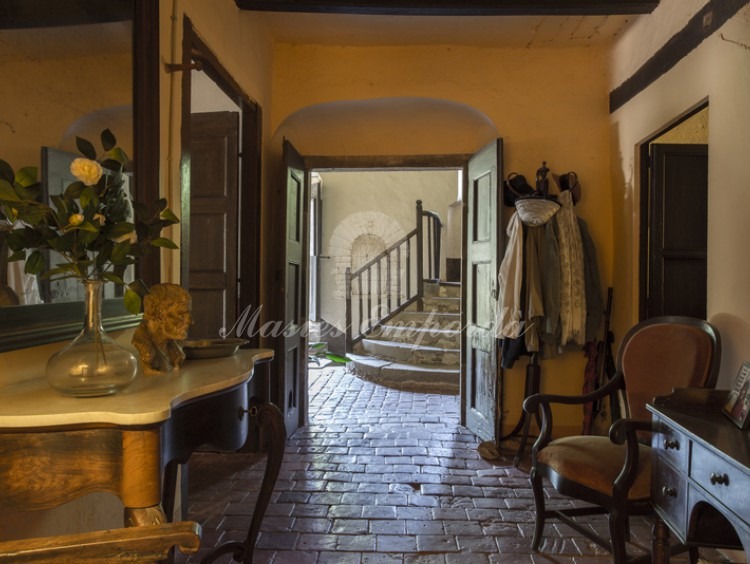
211 348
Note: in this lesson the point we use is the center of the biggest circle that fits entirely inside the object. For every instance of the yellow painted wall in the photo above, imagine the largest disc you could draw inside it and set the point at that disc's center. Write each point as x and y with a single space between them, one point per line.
546 104
717 71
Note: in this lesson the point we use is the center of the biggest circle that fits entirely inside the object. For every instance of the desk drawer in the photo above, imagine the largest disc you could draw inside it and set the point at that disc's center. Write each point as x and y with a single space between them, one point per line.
669 496
670 444
721 479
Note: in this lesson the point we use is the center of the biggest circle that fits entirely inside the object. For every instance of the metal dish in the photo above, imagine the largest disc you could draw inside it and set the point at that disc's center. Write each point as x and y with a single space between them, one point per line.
211 348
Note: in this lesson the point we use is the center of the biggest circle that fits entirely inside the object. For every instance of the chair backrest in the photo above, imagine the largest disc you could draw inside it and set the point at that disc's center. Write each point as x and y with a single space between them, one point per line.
663 353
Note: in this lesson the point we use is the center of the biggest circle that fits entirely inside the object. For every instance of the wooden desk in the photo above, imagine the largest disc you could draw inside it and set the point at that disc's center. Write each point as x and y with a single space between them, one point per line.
55 448
700 485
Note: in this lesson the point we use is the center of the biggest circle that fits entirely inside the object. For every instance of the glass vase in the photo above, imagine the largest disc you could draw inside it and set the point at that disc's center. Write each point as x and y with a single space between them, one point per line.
93 364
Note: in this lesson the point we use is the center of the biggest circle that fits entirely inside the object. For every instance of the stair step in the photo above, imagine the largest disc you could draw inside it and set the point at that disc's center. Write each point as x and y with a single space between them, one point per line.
407 376
442 319
416 335
412 354
443 289
439 303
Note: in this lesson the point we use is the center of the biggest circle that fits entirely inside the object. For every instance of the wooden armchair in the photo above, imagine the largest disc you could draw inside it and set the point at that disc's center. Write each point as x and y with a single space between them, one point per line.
613 473
149 543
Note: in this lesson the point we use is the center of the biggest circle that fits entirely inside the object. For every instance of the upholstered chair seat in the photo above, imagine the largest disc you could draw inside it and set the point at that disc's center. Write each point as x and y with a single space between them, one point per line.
574 457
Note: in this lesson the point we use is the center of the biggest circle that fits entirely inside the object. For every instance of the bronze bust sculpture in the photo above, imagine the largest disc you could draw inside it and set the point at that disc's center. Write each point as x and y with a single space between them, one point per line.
166 319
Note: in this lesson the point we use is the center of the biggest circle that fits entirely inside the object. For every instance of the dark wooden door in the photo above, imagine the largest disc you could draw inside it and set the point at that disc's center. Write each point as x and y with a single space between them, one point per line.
678 222
292 292
484 248
212 278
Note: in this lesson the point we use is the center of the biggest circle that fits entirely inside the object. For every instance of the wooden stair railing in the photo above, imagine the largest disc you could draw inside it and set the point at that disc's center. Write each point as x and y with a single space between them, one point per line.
394 279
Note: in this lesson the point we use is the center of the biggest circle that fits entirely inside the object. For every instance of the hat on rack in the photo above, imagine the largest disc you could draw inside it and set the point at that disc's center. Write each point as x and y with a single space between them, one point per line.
535 211
569 181
515 187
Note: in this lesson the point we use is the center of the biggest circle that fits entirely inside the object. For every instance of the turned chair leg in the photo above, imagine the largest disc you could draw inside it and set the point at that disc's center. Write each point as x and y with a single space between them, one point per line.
536 488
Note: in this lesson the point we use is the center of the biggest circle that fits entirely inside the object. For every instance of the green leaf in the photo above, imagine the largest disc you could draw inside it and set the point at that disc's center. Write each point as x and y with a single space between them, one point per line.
34 215
89 197
7 192
88 227
6 172
120 253
132 301
34 263
118 230
86 148
108 140
27 176
17 255
168 215
164 242
338 359
112 278
74 189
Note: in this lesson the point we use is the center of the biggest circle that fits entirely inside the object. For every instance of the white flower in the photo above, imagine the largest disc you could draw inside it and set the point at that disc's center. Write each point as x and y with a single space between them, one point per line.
76 219
87 171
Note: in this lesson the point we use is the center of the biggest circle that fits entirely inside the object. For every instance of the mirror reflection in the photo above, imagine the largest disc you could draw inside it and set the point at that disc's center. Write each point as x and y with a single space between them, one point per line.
68 72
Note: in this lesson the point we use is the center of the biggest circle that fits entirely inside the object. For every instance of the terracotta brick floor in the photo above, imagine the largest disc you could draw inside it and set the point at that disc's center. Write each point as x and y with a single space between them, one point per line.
382 476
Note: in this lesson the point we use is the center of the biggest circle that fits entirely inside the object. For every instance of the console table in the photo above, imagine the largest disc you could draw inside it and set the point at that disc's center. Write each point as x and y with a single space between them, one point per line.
55 448
700 485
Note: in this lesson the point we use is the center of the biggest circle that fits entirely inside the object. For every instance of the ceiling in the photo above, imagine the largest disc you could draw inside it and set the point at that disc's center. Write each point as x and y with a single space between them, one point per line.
480 31
484 23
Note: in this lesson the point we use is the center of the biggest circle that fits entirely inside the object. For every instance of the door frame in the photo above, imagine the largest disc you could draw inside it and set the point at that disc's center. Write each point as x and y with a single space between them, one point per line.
195 51
644 160
382 162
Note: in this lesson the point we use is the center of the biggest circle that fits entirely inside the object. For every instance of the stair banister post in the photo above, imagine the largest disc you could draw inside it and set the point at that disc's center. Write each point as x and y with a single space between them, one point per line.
348 315
420 254
438 229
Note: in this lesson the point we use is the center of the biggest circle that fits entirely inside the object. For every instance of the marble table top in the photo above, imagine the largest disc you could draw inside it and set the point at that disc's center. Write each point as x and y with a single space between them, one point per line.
34 404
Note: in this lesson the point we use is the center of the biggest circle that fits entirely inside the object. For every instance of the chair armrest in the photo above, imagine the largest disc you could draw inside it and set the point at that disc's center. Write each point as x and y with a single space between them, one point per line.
147 543
540 403
624 431
531 404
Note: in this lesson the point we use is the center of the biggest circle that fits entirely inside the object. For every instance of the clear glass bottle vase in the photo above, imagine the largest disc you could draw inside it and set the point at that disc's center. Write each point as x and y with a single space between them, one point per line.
93 364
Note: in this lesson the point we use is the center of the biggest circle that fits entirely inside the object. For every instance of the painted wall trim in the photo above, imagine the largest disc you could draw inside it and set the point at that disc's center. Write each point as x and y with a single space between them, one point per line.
707 21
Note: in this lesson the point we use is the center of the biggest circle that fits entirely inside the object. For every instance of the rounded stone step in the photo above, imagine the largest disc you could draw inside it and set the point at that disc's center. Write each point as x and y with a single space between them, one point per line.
412 354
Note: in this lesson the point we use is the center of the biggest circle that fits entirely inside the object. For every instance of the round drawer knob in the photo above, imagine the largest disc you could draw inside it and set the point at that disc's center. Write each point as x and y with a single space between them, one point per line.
666 491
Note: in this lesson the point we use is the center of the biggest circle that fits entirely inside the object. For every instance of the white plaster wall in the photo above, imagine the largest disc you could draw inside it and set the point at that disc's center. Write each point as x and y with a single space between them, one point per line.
384 198
718 70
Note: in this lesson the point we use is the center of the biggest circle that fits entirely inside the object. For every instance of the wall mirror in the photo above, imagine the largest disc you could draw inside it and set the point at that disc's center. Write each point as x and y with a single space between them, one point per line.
76 67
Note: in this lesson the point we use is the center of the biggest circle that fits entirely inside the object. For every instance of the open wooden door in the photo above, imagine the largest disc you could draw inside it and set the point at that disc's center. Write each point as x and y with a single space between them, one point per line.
484 248
291 349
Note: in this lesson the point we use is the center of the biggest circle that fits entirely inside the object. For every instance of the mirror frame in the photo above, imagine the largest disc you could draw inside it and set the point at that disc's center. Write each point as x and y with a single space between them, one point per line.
30 326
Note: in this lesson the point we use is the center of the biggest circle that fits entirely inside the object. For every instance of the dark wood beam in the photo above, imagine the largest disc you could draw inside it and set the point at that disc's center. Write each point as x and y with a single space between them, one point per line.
22 14
701 26
454 7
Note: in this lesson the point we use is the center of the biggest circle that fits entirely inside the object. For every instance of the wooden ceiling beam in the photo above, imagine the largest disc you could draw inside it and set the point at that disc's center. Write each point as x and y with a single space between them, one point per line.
455 7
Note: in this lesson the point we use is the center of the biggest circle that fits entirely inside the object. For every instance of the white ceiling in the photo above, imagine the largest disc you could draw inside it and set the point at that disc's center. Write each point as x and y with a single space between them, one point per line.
480 31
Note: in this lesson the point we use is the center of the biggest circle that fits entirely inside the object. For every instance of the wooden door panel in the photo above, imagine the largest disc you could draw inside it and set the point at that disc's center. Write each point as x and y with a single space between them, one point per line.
292 345
678 230
214 199
484 247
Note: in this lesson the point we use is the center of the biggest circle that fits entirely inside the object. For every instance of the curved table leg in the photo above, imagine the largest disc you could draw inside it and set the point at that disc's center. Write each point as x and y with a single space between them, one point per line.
271 418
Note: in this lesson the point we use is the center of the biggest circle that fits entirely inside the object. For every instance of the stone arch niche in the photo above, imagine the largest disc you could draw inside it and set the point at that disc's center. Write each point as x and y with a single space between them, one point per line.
358 238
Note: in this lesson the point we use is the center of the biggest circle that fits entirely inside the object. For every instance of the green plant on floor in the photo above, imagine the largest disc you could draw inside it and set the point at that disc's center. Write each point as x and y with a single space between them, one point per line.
319 351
